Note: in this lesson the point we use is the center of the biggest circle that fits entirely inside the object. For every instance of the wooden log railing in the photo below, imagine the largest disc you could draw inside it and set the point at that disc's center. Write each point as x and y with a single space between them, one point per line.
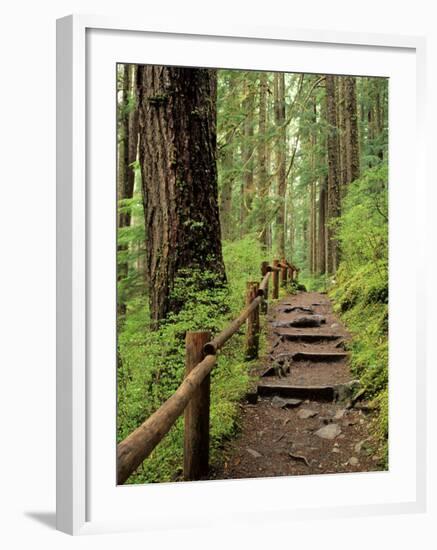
193 394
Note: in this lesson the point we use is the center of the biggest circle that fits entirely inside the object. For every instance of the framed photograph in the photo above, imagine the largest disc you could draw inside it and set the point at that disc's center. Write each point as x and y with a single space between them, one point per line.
236 320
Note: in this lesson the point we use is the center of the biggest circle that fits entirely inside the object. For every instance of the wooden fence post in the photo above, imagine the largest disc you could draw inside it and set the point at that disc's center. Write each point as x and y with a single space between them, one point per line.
283 273
252 323
196 435
264 303
275 293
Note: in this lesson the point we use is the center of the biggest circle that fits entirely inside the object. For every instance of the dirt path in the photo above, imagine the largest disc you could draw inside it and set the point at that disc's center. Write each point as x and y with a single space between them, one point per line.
303 422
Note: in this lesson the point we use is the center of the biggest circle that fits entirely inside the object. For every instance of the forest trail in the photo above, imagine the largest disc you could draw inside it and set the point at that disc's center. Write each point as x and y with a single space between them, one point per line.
303 422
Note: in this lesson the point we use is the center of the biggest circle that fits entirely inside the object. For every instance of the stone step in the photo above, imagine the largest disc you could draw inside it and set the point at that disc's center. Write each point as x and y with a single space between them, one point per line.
306 336
314 393
320 356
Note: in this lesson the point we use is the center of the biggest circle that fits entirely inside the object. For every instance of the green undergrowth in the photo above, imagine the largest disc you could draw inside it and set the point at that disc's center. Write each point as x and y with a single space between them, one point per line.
360 290
316 283
151 363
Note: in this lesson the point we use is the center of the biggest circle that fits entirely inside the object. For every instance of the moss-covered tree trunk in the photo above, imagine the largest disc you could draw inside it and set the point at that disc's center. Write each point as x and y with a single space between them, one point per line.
227 181
342 134
333 173
281 144
177 108
127 120
262 159
128 141
247 182
351 129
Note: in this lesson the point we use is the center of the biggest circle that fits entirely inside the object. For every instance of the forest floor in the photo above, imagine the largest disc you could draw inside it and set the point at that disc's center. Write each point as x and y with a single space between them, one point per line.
305 422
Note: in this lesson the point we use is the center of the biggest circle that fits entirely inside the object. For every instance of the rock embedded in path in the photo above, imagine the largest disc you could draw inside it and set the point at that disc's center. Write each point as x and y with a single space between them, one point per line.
281 403
330 431
301 321
353 461
300 309
304 414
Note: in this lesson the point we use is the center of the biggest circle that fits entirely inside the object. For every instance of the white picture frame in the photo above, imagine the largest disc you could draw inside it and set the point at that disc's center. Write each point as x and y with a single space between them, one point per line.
75 287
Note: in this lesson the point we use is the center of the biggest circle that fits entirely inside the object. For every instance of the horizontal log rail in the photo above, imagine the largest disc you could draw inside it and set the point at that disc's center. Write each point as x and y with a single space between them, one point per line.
263 286
223 336
140 443
137 446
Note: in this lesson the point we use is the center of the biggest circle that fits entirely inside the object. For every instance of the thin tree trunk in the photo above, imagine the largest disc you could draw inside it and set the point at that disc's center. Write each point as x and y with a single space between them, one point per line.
262 159
351 130
247 152
227 164
279 93
342 133
321 248
333 173
127 154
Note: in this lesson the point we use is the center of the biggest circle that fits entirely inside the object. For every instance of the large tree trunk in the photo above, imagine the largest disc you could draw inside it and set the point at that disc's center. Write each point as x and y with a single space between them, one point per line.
262 159
177 108
279 92
333 173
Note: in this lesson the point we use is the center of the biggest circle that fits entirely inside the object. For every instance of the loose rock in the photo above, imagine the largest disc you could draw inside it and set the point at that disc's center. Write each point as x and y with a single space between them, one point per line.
353 461
280 402
306 413
254 453
330 431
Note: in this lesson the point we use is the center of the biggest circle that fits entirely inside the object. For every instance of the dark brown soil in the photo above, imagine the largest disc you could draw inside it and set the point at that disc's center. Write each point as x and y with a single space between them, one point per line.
278 441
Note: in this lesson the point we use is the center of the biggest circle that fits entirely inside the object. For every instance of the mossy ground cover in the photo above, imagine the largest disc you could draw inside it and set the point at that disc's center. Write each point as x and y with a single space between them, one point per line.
360 288
152 365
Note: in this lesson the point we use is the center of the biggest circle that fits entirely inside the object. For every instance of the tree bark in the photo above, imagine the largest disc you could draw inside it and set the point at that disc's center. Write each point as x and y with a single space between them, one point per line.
312 198
177 109
351 129
279 92
333 173
262 159
247 153
321 243
127 154
227 181
128 142
342 133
